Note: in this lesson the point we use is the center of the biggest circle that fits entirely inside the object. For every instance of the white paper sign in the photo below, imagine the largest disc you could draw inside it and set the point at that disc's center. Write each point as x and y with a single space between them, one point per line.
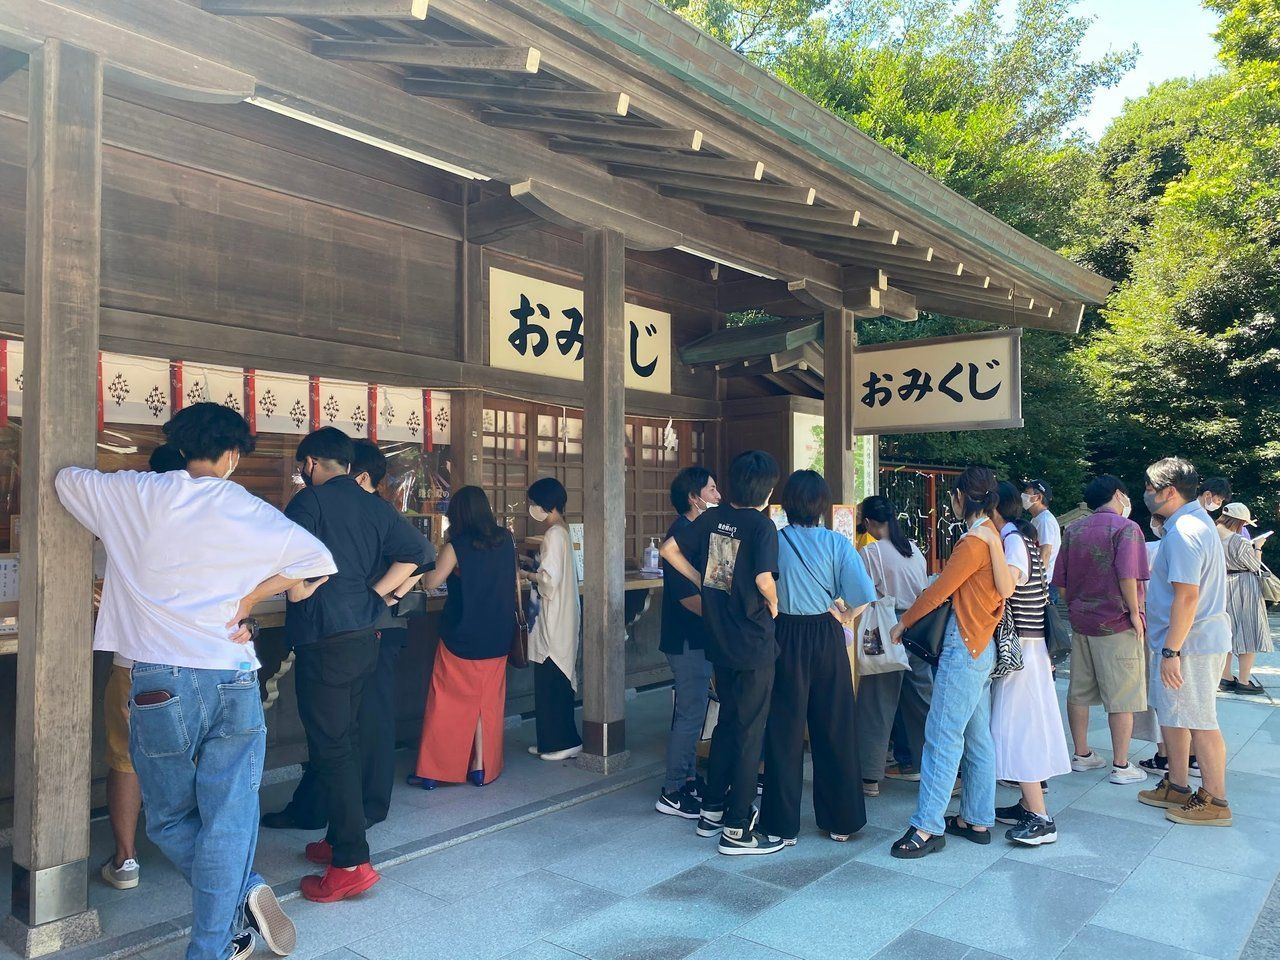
345 405
282 403
947 383
208 383
538 327
134 389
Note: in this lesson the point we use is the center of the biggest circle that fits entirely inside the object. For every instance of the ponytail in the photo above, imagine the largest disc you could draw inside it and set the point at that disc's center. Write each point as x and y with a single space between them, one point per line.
880 510
977 488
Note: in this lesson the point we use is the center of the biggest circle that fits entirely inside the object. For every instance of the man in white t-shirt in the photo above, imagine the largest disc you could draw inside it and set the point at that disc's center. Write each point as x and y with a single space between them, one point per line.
189 555
1036 496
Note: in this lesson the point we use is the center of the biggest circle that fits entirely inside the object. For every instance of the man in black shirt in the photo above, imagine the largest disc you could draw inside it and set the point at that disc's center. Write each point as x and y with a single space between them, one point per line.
334 635
732 552
684 642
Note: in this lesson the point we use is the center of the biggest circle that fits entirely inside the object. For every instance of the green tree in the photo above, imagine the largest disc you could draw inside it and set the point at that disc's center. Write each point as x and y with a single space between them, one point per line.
1186 209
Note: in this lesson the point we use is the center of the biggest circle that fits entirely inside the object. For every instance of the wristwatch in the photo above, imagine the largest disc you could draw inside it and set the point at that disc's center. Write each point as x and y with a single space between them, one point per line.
1170 654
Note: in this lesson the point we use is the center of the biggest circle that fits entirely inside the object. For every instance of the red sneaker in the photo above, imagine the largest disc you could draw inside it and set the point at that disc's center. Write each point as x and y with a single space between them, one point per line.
338 884
320 852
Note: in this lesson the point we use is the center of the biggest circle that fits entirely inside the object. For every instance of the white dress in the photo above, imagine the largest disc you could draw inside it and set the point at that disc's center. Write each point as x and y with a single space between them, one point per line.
1026 724
555 633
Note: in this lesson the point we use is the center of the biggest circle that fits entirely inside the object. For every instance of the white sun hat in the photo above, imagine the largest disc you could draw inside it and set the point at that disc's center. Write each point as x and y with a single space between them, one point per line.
1237 511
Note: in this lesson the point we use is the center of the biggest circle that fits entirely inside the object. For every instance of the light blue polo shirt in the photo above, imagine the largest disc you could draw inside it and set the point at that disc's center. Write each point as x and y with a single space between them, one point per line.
1191 552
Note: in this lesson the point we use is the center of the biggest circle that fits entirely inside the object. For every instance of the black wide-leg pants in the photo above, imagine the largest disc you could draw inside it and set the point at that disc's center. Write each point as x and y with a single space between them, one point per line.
735 743
812 685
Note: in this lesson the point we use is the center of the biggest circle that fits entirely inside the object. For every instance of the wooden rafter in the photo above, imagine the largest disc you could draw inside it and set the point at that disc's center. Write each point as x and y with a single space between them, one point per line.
903 252
739 207
865 277
543 98
457 57
785 224
628 133
715 185
338 9
720 191
973 286
1008 315
658 160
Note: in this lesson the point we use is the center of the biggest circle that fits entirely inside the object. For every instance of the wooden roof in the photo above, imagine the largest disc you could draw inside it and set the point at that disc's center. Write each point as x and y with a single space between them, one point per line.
591 114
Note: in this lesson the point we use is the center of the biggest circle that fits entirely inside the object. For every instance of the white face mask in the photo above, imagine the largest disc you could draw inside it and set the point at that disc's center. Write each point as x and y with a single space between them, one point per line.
231 468
1027 501
537 514
1126 507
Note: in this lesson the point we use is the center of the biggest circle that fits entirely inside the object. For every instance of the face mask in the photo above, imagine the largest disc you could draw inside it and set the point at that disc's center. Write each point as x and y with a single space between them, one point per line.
703 505
537 514
1149 498
306 477
1213 507
1027 501
231 468
1126 508
1157 528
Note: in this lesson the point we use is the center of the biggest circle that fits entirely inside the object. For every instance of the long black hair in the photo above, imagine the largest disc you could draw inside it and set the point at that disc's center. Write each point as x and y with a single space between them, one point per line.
1010 507
471 519
880 510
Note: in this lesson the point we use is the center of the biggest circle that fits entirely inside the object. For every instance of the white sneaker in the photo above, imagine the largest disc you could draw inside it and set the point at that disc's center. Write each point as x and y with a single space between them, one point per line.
124 877
534 750
1091 762
1130 773
563 754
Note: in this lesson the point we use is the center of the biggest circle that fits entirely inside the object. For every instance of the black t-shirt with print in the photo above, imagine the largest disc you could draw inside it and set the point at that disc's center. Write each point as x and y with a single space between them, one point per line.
730 547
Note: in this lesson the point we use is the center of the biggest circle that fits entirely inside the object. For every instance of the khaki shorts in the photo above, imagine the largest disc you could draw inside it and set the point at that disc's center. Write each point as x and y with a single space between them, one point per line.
115 708
1109 670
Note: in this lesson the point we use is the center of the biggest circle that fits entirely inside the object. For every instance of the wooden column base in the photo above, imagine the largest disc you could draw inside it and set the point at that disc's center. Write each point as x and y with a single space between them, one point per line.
604 739
49 910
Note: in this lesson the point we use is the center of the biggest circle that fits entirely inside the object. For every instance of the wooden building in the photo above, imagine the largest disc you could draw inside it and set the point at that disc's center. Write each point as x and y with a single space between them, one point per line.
335 188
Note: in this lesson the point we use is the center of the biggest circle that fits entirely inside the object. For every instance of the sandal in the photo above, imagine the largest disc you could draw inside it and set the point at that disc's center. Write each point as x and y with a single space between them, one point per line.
967 831
913 846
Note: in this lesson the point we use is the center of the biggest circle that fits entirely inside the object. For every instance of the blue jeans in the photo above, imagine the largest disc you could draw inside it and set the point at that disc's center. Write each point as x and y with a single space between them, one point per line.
690 678
199 758
957 737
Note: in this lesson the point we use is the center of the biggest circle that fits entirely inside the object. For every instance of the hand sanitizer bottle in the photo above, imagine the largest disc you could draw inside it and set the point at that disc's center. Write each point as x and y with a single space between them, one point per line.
651 555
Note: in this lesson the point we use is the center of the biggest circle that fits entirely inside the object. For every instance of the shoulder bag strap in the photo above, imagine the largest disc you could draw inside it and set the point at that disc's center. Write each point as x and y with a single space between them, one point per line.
519 595
804 563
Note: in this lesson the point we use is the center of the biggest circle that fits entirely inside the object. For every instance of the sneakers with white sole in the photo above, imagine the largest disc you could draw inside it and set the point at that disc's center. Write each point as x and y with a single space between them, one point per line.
1129 773
267 918
567 754
710 821
739 841
1090 761
123 877
678 803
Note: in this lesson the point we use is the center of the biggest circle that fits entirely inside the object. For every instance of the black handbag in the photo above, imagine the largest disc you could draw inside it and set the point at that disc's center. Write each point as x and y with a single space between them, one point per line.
924 637
1057 635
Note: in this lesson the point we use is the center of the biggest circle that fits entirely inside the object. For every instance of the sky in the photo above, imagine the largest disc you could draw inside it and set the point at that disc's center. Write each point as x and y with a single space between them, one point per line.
1173 37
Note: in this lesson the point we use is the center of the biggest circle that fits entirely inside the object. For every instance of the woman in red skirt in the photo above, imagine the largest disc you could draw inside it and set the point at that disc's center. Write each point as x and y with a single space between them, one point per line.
462 728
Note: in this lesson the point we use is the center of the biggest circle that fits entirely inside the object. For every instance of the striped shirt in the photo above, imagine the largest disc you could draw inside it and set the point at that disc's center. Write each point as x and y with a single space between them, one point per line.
1030 598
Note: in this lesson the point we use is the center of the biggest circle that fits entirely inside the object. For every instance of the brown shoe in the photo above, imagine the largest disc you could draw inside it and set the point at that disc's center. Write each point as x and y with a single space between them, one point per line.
1164 795
1201 811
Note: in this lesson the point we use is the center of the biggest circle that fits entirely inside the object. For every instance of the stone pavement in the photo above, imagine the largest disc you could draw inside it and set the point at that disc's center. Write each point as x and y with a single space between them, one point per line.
591 871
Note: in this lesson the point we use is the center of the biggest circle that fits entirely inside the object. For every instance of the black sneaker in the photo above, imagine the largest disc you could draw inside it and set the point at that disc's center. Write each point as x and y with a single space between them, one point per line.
264 915
710 820
739 842
678 803
1014 814
1193 767
1156 764
696 787
1034 831
241 946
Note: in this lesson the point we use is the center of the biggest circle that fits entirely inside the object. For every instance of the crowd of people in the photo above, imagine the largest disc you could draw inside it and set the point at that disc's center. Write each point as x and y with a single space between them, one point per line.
769 622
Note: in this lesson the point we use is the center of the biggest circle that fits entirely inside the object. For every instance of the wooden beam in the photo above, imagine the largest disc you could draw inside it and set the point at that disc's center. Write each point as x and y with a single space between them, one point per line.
794 226
577 212
11 61
460 57
746 208
819 296
630 133
129 57
604 634
837 404
865 277
1009 316
337 9
899 305
699 163
543 98
717 187
970 286
496 217
902 252
54 703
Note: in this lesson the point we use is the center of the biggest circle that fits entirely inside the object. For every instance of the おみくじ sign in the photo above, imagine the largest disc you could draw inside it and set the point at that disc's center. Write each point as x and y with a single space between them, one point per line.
538 327
945 383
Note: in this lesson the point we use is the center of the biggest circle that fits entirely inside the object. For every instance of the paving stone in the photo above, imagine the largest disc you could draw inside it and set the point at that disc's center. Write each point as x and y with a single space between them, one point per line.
1099 943
639 859
814 856
1250 848
918 945
1094 846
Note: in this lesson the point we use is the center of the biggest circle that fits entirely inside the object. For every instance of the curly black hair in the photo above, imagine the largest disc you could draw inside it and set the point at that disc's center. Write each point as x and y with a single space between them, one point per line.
205 431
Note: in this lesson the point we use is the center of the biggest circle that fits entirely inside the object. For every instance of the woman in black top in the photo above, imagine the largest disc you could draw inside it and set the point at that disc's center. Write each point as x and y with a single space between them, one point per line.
462 727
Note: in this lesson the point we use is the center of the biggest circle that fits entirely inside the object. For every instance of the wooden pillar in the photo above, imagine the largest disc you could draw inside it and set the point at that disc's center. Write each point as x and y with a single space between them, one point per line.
59 428
837 404
466 437
604 474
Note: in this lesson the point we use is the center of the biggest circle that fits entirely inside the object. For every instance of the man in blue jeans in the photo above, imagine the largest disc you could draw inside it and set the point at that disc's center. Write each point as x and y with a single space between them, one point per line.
684 641
189 554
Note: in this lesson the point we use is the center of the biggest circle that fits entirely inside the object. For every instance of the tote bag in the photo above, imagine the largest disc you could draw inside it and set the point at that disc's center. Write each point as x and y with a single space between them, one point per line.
875 651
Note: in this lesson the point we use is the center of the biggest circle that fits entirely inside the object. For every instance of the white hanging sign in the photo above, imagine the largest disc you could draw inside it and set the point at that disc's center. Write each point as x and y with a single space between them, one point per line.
539 327
134 389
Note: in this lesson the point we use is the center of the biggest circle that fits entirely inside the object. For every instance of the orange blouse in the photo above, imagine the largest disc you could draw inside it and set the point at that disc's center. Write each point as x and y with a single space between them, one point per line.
969 582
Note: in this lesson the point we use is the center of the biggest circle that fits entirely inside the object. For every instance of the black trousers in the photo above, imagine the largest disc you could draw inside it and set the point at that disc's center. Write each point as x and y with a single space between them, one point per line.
330 678
378 727
814 686
735 743
553 709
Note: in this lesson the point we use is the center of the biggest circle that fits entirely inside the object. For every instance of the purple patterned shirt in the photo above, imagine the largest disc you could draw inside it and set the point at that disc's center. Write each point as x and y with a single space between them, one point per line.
1098 551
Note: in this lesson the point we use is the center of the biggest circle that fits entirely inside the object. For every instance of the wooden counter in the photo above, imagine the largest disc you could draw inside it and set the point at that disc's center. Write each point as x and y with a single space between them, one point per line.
270 613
